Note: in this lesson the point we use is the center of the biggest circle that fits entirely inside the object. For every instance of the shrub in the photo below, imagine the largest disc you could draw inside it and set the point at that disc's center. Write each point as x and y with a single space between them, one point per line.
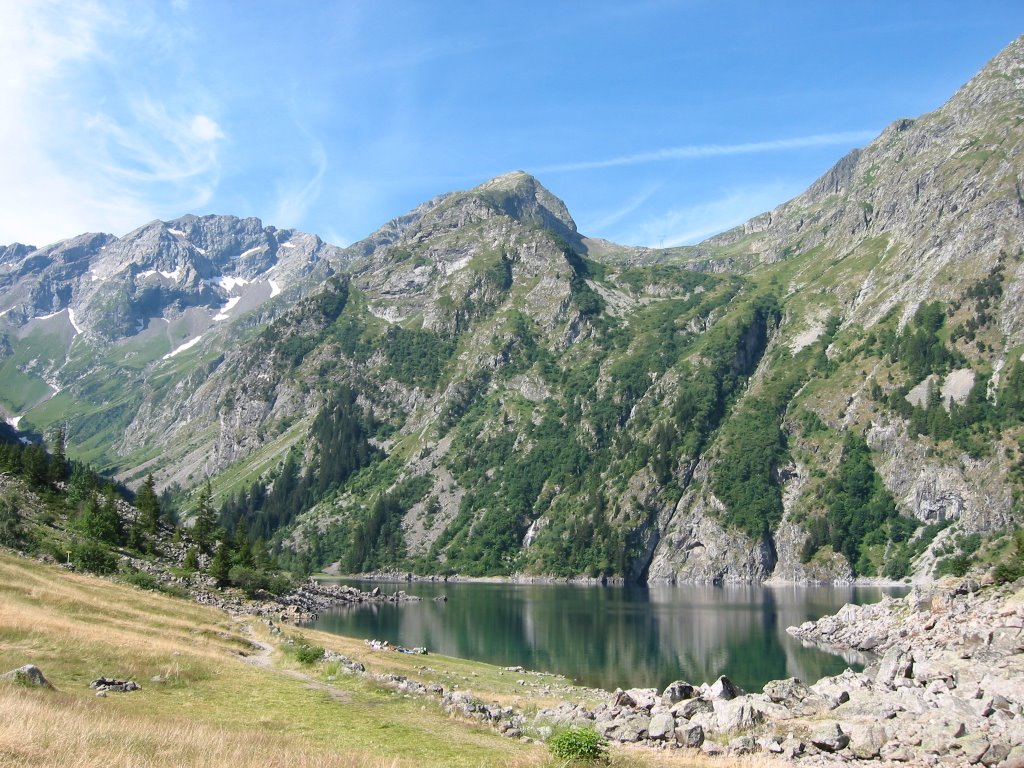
309 654
1012 568
142 580
93 557
582 744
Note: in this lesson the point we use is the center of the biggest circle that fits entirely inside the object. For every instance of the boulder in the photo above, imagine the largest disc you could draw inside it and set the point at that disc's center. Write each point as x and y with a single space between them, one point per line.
788 691
690 707
897 665
689 735
637 698
830 738
737 714
973 747
866 741
723 689
661 726
743 745
996 753
28 675
677 691
627 727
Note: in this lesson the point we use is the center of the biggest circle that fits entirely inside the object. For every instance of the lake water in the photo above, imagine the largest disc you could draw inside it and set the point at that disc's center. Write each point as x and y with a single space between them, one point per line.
610 637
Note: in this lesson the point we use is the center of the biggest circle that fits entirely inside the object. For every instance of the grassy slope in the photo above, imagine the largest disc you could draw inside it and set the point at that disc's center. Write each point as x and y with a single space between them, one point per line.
215 706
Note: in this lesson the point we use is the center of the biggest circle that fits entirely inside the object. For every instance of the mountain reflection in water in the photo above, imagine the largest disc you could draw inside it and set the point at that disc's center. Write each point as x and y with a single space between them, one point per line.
610 637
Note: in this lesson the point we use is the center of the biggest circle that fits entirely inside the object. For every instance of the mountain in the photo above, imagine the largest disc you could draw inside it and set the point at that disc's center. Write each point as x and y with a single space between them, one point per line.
833 389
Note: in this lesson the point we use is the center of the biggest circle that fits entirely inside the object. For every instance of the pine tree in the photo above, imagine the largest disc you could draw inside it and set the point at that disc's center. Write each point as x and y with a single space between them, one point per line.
220 566
58 469
205 519
148 505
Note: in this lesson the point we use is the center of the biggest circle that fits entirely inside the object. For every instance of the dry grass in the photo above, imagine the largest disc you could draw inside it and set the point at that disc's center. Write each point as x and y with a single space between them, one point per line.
214 708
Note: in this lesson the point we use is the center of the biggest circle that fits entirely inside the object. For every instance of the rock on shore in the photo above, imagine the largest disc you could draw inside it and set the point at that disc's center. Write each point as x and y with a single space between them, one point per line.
945 688
304 603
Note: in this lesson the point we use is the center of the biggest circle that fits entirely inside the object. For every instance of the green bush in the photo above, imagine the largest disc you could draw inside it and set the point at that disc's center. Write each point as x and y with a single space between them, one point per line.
93 557
142 580
309 654
582 744
1012 568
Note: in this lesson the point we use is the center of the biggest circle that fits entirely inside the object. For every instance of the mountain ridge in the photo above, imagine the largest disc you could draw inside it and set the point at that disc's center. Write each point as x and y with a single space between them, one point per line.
544 402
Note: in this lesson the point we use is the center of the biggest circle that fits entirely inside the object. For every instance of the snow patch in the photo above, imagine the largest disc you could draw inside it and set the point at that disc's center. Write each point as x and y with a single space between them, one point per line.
15 421
177 232
175 275
243 254
288 245
229 283
223 314
182 348
76 326
47 317
274 288
146 274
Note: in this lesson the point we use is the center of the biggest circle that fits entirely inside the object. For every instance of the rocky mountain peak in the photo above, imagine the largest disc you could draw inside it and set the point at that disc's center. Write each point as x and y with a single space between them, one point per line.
521 196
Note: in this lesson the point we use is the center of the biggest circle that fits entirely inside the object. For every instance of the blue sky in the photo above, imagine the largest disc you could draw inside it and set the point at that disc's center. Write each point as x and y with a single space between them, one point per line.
658 123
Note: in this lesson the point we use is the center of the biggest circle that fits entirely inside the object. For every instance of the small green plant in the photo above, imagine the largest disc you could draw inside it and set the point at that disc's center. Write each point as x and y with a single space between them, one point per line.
1012 568
309 654
142 580
580 744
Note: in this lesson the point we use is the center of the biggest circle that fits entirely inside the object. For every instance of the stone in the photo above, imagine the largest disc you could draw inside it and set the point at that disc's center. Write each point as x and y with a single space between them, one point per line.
641 698
661 726
995 754
737 714
675 692
786 691
690 707
896 665
867 741
830 738
743 745
973 747
792 748
689 735
29 675
723 689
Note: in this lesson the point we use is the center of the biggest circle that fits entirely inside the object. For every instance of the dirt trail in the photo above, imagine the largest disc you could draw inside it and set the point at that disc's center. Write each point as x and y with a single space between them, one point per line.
262 659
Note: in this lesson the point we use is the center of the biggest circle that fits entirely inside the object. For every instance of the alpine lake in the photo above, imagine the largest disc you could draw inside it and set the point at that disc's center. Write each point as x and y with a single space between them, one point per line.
612 637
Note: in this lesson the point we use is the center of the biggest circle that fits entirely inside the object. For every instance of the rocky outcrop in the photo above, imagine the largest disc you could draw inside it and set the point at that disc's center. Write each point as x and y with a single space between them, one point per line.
29 675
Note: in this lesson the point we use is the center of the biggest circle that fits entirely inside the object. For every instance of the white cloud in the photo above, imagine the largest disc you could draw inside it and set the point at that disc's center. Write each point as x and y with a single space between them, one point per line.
598 222
86 148
696 151
691 224
295 197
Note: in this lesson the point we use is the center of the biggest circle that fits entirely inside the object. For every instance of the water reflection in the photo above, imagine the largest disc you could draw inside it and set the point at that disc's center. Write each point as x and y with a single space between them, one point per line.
612 636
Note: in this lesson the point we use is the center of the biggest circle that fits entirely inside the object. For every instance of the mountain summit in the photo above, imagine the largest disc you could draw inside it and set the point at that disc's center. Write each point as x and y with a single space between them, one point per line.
833 389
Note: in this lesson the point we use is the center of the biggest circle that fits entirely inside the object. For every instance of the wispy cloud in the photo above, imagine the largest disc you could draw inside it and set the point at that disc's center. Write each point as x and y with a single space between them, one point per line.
294 198
691 224
697 151
600 221
88 144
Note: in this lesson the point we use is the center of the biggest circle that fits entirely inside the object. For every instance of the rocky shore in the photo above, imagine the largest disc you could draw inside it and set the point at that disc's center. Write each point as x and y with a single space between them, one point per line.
946 687
303 604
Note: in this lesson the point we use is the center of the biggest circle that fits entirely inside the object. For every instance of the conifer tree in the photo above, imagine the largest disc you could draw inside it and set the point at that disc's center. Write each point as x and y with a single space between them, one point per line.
148 504
205 519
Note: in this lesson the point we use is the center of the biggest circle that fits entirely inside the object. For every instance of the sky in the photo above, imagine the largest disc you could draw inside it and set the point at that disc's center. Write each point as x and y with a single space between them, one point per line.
658 123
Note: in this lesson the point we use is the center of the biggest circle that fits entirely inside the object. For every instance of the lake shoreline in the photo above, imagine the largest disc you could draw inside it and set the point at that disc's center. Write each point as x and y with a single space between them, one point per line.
603 581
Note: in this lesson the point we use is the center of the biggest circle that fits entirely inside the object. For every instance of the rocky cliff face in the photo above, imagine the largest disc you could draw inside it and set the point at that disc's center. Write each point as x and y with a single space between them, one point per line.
811 396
